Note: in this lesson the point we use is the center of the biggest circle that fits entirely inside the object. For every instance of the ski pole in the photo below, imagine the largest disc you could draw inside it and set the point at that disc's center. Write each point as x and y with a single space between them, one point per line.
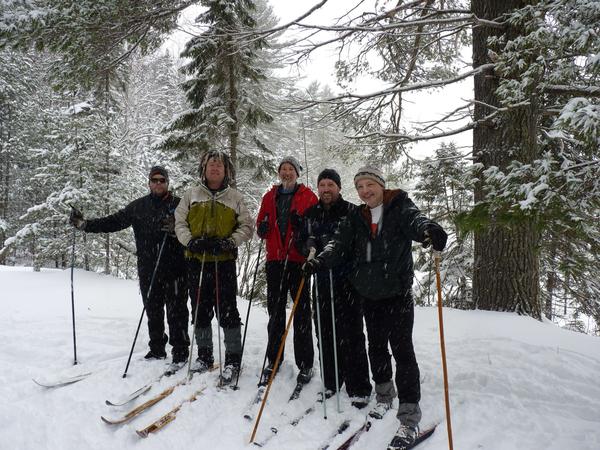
144 307
162 246
277 359
73 299
437 256
218 320
335 357
248 315
316 286
189 372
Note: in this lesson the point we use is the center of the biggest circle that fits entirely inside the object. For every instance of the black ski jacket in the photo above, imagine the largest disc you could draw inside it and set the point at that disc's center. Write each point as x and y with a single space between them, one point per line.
145 215
319 226
381 264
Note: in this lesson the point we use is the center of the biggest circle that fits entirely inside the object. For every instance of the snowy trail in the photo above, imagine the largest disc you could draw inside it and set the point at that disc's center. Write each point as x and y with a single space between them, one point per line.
515 383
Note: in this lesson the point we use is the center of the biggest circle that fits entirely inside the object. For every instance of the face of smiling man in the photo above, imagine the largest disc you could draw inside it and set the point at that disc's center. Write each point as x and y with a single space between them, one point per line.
287 175
370 192
328 191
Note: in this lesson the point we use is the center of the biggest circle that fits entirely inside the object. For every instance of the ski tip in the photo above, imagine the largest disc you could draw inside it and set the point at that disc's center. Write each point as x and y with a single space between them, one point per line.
142 433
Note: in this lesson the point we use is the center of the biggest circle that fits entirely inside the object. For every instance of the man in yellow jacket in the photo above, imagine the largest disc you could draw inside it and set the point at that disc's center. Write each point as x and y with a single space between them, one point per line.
211 221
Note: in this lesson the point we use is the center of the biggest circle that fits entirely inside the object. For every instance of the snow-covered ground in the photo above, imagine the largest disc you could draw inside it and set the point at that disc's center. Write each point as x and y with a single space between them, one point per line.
515 383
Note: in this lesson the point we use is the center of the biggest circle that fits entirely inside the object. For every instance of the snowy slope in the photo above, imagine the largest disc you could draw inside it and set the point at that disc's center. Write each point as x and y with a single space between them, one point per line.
515 383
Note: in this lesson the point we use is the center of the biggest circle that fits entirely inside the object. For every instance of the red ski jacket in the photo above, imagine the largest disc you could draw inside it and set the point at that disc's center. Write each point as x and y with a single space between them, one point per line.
276 249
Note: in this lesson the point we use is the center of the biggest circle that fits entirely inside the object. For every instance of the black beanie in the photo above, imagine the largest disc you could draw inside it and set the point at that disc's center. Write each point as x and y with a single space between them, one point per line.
330 174
158 170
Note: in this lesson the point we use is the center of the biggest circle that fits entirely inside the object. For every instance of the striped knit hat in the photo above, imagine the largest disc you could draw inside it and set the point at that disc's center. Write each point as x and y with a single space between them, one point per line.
371 173
224 158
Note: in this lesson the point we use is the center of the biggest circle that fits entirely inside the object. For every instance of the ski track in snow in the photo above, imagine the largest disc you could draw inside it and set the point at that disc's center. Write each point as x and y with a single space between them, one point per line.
515 383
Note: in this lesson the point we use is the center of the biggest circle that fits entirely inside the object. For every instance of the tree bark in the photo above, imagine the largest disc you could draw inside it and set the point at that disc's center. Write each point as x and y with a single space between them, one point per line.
506 264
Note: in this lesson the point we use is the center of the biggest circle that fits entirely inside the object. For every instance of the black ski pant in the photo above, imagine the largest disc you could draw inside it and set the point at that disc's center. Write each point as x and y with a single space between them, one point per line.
168 290
207 302
390 321
217 295
353 367
276 305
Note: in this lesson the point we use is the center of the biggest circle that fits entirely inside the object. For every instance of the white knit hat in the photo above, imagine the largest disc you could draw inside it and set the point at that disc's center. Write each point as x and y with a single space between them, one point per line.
371 173
293 161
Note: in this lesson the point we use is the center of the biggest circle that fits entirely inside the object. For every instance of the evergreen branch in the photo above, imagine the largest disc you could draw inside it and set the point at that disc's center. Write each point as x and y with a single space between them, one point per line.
584 91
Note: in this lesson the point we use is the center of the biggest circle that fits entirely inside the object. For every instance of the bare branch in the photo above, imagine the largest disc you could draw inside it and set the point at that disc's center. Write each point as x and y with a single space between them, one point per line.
409 87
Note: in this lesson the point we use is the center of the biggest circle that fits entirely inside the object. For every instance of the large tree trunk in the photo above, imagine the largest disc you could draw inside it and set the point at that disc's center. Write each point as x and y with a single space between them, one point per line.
5 165
506 266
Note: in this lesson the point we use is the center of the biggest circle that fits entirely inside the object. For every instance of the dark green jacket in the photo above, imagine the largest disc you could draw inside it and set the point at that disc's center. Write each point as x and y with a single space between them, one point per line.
381 265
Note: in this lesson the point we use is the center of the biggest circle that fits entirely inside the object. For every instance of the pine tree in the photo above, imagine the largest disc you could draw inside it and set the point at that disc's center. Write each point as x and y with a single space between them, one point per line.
224 81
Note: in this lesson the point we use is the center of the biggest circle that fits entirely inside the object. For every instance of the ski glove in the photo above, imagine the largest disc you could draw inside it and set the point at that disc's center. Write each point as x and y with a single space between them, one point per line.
76 219
226 245
202 245
263 229
296 221
311 266
168 225
436 236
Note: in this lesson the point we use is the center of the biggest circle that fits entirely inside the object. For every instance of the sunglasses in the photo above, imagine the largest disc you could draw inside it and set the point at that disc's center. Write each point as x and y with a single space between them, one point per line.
158 180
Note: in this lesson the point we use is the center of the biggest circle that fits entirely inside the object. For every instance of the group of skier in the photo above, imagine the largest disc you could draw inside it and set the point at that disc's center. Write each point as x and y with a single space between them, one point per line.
360 257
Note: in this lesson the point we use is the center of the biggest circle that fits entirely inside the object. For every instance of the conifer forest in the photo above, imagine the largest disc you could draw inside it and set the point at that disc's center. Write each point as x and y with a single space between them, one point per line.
91 96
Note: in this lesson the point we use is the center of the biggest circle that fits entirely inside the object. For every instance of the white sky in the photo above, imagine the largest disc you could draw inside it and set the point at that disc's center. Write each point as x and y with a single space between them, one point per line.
420 106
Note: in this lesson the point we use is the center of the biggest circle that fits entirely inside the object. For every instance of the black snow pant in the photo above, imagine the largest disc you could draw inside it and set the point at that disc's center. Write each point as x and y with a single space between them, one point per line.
390 321
207 301
168 290
353 367
276 306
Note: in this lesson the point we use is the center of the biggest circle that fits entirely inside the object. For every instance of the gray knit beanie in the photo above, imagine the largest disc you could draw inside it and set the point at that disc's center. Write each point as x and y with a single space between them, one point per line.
293 161
371 173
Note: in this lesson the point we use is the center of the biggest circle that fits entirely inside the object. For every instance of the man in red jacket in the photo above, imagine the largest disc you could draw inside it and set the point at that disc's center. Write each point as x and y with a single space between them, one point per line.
278 221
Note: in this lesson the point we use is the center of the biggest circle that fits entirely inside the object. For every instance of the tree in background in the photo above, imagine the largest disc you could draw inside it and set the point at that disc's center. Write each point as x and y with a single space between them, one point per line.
226 84
444 191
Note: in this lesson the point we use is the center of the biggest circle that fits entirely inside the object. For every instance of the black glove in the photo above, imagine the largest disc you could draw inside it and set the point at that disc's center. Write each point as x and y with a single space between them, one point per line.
311 242
201 245
436 236
311 266
296 221
76 219
168 224
263 229
226 245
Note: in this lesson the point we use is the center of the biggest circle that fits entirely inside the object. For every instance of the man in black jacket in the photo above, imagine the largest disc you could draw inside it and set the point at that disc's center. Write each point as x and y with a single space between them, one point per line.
153 223
319 225
376 239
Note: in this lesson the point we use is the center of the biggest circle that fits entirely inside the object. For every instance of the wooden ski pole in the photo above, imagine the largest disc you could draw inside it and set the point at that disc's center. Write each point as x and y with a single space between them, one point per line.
277 359
437 257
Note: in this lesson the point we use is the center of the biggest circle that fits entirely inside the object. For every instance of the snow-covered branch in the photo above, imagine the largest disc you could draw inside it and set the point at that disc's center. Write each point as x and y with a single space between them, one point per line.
583 91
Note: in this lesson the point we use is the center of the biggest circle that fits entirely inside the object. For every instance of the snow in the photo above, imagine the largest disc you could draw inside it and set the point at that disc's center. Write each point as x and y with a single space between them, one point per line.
515 383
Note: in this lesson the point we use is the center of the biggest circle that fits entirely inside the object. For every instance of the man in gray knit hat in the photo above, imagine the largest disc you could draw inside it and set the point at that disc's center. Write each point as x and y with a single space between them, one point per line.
378 237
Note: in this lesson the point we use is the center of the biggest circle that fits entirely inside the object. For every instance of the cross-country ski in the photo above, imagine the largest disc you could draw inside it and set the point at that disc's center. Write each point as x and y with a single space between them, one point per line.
168 417
59 382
